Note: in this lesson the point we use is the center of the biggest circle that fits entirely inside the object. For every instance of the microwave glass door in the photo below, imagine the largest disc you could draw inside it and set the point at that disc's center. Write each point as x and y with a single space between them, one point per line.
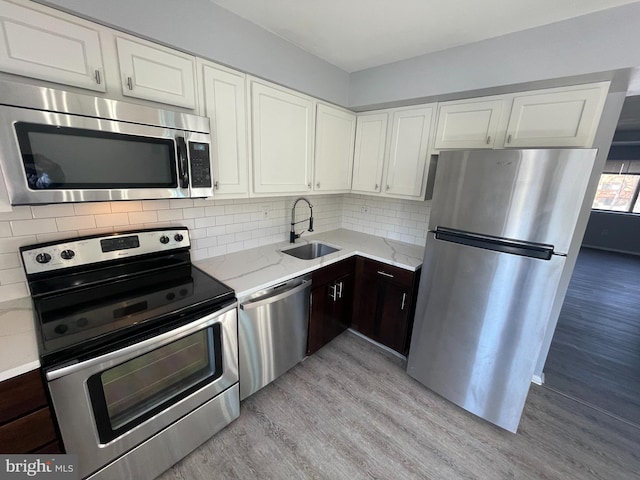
64 158
127 394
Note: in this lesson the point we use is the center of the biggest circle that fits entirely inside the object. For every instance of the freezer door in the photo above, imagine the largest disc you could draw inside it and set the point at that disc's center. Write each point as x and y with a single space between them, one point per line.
479 324
531 195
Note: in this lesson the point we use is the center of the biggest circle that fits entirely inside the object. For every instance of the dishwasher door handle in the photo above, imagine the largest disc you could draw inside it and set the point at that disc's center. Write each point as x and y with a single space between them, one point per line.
258 302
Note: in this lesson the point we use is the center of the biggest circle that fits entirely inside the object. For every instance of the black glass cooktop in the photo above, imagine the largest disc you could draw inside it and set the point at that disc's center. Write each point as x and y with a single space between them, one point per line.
86 320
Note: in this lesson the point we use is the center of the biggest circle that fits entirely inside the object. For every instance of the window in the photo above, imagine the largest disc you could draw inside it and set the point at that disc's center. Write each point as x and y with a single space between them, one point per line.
619 185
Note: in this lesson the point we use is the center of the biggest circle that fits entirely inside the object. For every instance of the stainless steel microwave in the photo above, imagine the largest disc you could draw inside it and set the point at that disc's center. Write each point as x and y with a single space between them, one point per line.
58 146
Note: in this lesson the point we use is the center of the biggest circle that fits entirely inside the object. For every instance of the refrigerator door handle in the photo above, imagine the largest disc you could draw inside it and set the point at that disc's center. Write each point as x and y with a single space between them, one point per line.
526 249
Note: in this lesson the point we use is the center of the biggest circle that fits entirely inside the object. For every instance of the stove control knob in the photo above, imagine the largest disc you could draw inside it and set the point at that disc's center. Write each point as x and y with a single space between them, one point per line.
43 258
178 237
61 329
164 239
67 254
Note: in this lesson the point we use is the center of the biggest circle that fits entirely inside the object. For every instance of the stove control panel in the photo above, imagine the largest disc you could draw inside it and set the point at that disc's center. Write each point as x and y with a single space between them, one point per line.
77 252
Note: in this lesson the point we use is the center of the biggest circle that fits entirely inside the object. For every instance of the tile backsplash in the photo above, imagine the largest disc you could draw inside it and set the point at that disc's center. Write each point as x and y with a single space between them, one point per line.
217 226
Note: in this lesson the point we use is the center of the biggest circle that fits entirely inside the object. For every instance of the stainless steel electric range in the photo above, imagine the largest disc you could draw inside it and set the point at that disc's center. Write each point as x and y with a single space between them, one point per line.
139 348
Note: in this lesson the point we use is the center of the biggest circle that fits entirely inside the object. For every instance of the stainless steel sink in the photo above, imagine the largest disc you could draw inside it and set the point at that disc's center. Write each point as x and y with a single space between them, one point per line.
311 250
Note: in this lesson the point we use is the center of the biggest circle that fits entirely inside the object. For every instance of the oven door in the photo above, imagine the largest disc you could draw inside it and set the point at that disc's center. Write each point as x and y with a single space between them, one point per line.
55 157
107 405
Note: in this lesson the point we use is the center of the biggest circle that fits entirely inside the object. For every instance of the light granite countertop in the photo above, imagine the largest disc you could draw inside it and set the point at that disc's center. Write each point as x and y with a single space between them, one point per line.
246 271
251 270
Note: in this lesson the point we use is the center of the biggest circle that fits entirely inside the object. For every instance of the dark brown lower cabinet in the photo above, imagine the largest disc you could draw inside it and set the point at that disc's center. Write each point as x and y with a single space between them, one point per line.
384 303
331 303
26 423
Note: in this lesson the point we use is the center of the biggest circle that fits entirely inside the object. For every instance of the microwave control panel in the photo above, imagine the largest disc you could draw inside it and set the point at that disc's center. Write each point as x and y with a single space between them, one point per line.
200 165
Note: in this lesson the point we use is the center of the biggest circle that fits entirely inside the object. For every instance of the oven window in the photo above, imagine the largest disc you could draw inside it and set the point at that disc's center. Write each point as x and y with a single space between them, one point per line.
126 395
73 158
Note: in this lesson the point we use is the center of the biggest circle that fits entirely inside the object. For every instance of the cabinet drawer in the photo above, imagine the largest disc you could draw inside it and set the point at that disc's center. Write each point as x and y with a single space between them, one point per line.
20 395
396 274
27 433
330 273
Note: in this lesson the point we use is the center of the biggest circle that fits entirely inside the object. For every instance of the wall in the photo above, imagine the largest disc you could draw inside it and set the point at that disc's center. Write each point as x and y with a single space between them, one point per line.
598 42
209 31
217 226
613 231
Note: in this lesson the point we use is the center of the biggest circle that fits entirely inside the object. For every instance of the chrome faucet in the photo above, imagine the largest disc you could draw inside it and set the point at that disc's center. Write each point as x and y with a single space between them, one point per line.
293 235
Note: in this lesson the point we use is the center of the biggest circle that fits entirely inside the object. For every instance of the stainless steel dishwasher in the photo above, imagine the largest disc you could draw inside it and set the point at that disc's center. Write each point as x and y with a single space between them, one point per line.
273 325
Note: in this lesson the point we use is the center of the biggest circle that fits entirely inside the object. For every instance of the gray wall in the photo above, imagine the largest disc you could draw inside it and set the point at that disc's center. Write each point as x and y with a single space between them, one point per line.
204 29
613 231
597 42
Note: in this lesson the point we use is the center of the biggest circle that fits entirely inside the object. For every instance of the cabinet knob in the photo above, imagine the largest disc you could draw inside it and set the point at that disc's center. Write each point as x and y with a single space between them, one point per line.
488 139
309 184
376 187
318 184
509 139
216 185
130 83
388 187
97 76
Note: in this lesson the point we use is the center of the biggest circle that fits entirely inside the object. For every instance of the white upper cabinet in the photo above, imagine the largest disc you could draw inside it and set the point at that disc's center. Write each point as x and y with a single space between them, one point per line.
368 160
335 134
156 73
224 102
42 46
408 150
467 124
282 130
562 117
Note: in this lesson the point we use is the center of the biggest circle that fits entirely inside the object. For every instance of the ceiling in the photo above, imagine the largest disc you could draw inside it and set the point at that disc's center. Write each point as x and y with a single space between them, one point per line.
358 34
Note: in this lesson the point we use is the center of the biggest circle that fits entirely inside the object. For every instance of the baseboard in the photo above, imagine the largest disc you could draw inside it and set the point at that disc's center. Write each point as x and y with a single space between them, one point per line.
383 347
538 379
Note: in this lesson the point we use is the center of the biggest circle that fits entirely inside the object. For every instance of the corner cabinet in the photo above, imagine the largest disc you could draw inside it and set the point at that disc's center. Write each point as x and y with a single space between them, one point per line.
49 48
224 102
331 303
155 73
562 117
334 143
282 131
384 303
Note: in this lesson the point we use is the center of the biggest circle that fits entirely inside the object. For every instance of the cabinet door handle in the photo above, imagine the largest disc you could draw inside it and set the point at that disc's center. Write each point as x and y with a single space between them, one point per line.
130 83
333 292
404 299
318 184
385 274
97 76
309 185
488 139
388 187
216 185
376 187
340 290
509 139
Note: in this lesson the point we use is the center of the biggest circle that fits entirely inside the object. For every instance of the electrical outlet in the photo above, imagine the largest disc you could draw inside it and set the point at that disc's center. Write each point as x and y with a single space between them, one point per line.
265 211
364 209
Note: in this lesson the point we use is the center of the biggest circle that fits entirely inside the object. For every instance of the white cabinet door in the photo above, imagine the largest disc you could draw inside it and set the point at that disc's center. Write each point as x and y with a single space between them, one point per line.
224 99
556 118
335 133
37 45
282 134
368 159
408 151
467 125
156 73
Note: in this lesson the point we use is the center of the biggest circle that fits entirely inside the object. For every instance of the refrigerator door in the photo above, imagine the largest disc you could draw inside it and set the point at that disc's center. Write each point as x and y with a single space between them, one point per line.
479 324
532 195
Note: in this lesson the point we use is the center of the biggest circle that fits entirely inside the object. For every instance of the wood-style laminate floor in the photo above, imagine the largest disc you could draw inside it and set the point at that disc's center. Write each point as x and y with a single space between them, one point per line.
351 412
595 352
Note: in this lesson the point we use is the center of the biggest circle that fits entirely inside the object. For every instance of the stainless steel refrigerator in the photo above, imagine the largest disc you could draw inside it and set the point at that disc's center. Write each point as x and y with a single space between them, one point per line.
500 227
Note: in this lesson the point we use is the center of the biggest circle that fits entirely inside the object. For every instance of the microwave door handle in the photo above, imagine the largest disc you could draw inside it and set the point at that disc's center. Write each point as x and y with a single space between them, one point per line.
183 166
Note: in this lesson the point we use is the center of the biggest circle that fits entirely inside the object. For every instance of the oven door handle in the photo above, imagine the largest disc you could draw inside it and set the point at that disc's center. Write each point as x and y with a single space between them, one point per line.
131 351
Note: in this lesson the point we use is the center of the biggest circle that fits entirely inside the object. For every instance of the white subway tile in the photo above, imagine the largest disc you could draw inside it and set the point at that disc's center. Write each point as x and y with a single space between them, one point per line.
242 236
9 260
53 211
188 223
199 254
54 237
92 208
13 291
197 233
205 222
224 239
224 220
216 251
12 275
156 205
96 231
125 207
215 231
213 211
181 203
203 202
17 213
5 229
112 219
195 212
143 217
33 227
242 217
235 227
232 209
79 222
206 242
235 247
